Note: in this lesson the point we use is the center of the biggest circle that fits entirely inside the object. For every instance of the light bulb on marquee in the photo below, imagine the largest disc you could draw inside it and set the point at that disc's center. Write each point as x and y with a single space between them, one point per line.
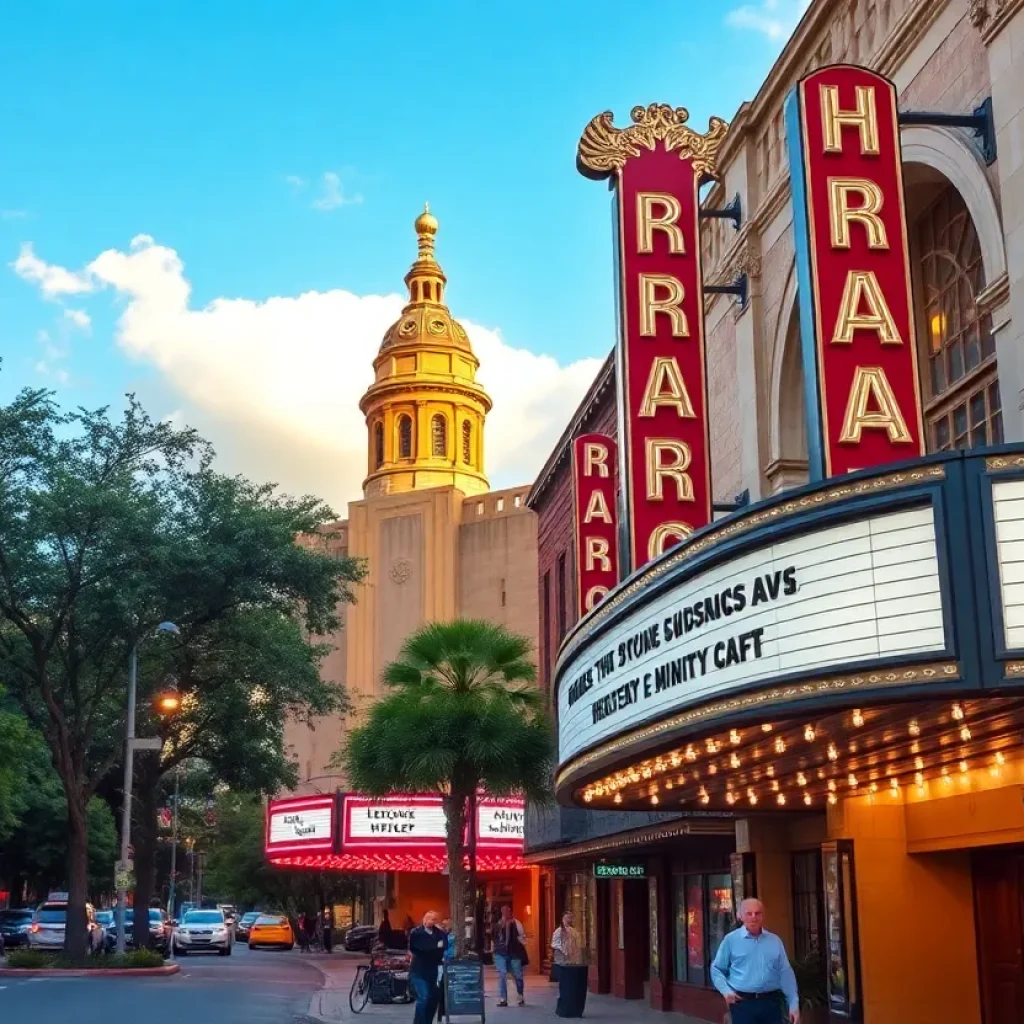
957 711
735 737
913 728
809 733
858 717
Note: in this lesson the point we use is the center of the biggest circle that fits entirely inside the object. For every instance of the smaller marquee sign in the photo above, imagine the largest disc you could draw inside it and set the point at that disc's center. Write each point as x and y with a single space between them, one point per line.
596 524
301 825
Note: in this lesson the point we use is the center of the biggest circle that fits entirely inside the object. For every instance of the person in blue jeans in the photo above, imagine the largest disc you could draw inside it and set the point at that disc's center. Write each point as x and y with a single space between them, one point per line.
509 954
449 954
427 944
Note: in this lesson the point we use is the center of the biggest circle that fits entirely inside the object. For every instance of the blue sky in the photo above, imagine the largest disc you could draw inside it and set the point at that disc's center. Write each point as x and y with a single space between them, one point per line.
268 159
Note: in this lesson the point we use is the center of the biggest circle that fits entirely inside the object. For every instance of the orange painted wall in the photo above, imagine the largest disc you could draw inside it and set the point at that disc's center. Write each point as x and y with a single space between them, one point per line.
416 893
919 907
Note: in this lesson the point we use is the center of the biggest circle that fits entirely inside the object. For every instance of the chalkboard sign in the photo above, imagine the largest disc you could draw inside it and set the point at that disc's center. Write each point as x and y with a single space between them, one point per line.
463 989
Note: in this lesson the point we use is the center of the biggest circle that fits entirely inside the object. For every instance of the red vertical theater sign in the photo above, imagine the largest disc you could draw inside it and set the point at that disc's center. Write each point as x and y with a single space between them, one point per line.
856 308
656 166
597 542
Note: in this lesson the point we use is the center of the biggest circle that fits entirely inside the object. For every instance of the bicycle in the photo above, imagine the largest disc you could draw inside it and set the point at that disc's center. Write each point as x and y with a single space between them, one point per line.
386 967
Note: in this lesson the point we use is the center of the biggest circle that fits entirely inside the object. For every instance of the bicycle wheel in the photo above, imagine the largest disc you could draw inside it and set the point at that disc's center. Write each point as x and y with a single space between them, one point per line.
359 994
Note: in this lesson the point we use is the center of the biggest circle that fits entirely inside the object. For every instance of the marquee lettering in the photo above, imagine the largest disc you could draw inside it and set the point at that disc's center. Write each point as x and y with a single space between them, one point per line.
863 307
597 554
662 534
665 386
597 508
842 214
872 405
595 459
669 459
667 221
670 303
864 117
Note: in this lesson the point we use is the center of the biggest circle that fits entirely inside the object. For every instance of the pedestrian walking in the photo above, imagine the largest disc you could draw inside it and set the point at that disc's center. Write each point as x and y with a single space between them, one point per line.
328 928
303 934
449 954
753 973
510 954
427 945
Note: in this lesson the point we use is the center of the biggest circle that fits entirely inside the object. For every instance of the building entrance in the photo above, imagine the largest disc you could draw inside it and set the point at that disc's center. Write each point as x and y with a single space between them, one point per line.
999 920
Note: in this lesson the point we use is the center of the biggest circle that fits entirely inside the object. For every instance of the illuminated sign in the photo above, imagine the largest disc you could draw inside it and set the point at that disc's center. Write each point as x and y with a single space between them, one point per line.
301 825
594 499
853 265
656 166
620 870
826 600
418 823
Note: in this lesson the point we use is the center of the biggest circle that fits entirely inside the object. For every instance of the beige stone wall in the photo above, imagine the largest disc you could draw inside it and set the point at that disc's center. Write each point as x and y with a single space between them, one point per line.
498 561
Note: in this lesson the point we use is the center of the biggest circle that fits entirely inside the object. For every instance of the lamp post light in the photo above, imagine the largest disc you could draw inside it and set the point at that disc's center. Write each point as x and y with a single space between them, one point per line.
131 745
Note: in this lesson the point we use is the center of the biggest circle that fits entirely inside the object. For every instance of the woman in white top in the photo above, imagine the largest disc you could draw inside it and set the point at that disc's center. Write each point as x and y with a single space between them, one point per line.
565 943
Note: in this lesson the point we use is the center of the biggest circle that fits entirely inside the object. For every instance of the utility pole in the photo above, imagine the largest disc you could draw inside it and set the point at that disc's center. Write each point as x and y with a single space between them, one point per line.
174 845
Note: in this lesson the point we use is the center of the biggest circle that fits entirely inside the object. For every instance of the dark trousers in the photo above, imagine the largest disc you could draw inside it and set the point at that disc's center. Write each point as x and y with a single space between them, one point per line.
426 998
758 1011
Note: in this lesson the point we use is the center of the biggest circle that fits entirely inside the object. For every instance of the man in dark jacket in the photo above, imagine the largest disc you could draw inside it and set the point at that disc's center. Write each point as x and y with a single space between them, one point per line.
427 945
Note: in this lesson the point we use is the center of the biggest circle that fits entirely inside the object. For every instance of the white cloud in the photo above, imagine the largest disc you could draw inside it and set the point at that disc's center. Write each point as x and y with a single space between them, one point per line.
275 384
296 181
13 214
78 318
53 281
774 19
333 194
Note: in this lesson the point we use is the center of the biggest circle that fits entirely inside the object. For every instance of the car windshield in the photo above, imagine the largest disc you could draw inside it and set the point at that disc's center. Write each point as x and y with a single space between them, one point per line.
105 916
154 914
51 915
15 915
204 917
249 918
270 919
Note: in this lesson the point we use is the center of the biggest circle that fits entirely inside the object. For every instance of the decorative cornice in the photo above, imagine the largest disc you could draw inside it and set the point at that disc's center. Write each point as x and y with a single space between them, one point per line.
990 17
604 149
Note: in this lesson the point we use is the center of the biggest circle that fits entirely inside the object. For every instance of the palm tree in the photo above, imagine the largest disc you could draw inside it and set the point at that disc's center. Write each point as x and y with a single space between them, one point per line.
464 713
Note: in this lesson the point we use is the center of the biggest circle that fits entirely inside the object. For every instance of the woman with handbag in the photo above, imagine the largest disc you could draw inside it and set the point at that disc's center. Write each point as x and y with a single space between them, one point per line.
510 955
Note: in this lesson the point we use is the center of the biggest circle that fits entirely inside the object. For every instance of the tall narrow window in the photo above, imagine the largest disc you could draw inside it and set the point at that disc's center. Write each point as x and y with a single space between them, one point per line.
378 444
439 436
467 442
546 631
562 609
961 383
405 437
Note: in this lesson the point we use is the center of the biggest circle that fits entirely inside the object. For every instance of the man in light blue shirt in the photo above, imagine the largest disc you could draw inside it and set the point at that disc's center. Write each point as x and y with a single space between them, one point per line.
751 970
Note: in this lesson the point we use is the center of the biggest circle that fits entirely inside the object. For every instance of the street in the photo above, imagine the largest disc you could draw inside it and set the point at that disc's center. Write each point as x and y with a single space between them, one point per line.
265 987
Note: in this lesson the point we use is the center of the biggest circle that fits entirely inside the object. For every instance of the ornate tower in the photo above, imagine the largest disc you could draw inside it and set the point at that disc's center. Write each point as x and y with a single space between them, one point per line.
424 411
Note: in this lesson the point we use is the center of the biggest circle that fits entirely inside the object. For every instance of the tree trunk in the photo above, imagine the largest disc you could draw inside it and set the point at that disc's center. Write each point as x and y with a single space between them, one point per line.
75 937
473 818
144 838
458 902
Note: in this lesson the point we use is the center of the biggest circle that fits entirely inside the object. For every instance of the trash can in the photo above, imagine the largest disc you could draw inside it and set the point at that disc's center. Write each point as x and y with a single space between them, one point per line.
572 990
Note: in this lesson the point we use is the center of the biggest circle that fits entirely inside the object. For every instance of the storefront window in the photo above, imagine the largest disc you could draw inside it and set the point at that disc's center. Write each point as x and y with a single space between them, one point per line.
703 914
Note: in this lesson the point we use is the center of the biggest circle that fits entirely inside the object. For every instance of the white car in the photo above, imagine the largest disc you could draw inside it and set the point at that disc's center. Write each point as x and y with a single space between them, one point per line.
46 933
202 931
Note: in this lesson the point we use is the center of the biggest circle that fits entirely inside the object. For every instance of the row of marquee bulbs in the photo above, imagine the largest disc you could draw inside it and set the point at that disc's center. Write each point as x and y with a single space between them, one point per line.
660 765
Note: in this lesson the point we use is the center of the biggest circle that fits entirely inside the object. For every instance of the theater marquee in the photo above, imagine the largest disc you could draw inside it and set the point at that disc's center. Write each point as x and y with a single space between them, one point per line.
301 825
594 479
853 264
656 166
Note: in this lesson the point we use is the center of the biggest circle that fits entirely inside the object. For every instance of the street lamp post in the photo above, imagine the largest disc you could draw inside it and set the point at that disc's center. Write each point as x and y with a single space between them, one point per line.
131 745
174 845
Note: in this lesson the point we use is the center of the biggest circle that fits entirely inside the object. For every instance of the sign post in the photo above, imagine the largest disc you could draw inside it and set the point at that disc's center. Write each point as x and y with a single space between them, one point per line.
463 982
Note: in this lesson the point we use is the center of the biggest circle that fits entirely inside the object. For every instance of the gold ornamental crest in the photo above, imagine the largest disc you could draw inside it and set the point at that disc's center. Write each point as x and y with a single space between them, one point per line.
604 148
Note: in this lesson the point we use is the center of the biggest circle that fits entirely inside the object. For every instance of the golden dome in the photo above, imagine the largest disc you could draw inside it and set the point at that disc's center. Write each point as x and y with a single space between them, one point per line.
426 222
425 410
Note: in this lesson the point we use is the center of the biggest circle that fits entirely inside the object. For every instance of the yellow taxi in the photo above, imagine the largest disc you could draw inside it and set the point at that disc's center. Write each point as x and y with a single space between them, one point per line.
271 930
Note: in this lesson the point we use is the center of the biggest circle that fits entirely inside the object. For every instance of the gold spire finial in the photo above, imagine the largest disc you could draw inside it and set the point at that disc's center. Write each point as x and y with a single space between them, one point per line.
426 228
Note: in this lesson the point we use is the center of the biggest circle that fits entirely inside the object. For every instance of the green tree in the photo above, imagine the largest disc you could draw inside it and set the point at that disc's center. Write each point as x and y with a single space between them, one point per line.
109 526
15 780
463 714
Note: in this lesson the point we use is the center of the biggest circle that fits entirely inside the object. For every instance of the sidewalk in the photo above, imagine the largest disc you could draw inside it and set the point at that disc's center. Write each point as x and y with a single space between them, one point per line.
330 1004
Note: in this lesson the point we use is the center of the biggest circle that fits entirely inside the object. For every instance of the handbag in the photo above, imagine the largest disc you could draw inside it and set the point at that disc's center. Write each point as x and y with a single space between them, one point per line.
516 949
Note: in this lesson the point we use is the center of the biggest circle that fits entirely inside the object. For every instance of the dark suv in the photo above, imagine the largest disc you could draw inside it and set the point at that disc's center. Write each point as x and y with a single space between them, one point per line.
14 928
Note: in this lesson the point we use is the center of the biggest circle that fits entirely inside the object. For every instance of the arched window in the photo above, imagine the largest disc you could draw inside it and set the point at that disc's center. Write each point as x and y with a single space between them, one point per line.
426 291
959 366
405 437
438 436
378 444
467 442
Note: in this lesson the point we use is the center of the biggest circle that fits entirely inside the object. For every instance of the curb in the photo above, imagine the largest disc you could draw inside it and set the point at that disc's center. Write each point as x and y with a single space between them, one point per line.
103 972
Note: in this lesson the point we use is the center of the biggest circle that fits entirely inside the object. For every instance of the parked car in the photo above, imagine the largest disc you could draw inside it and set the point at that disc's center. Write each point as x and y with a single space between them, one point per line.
245 922
360 938
49 923
159 928
14 927
202 930
271 930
